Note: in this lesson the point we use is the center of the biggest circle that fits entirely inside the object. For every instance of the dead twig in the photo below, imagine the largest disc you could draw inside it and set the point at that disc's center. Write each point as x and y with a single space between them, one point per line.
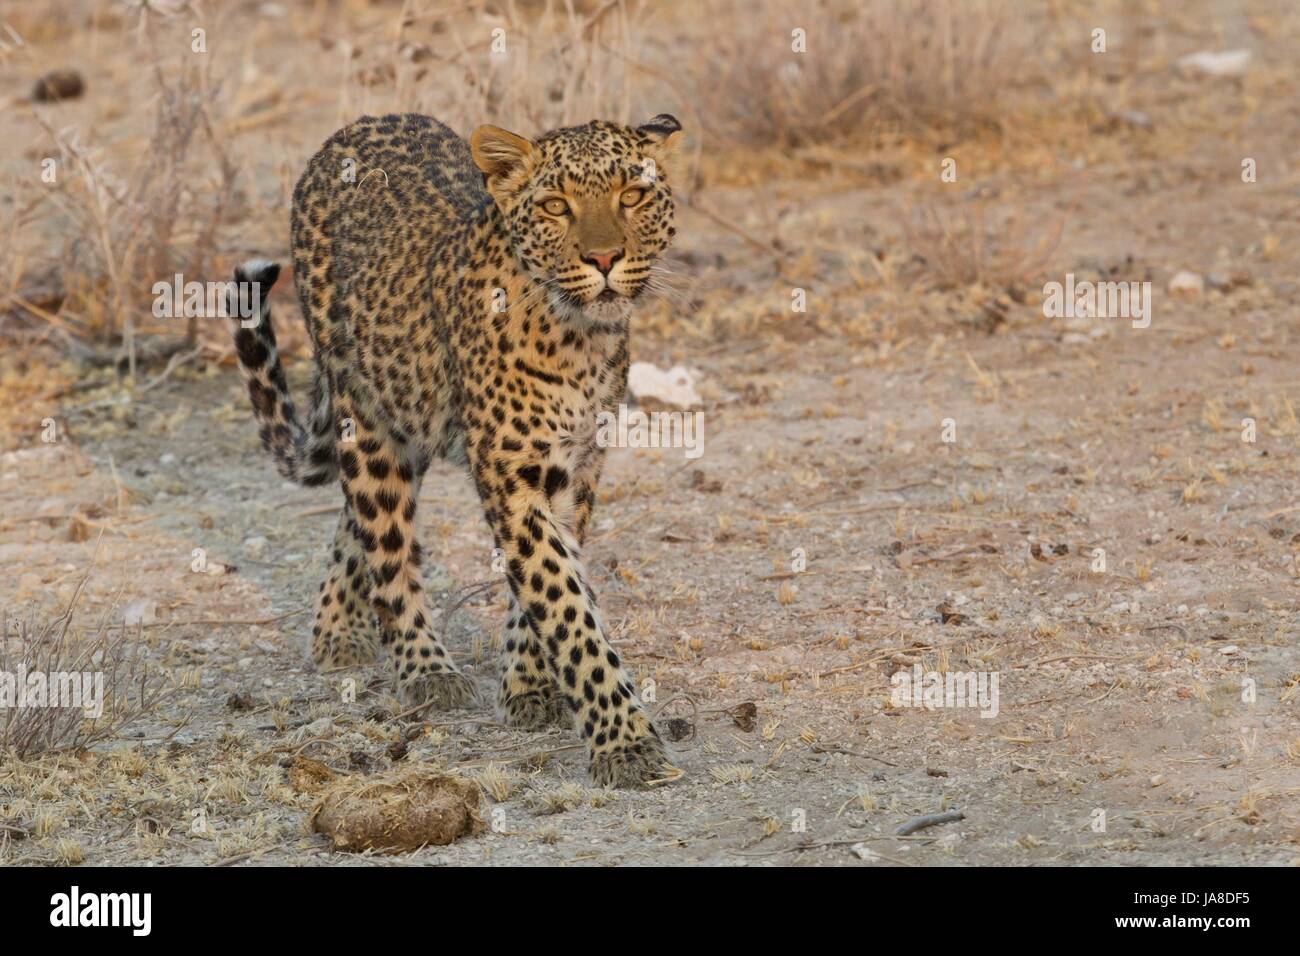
176 361
1168 626
220 622
818 749
738 230
929 820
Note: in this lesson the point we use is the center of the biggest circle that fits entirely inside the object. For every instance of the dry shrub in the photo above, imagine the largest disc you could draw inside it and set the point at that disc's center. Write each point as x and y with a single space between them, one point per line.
529 67
125 231
927 64
130 689
965 245
11 256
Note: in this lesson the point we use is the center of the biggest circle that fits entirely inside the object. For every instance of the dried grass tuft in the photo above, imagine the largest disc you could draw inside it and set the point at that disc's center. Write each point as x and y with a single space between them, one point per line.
524 66
912 64
131 689
127 226
966 245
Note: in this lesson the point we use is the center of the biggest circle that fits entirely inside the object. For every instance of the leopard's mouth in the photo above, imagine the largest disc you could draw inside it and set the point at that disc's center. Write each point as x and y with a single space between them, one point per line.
607 295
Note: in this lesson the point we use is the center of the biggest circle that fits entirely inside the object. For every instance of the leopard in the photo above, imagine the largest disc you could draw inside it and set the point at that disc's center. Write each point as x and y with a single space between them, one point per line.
470 301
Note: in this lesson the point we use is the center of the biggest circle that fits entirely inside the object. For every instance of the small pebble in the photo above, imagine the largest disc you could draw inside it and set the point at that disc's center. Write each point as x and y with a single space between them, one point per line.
324 727
1187 285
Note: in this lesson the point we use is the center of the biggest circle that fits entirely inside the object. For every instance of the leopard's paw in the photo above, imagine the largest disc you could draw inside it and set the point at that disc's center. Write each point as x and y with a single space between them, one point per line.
639 762
444 689
337 651
535 709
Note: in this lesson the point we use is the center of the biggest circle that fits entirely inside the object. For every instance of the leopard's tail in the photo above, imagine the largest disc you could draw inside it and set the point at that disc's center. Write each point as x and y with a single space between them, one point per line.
307 458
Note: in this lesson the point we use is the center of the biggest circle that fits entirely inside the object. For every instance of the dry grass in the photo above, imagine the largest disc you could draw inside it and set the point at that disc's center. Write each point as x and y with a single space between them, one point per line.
125 232
912 64
130 688
497 781
524 66
969 244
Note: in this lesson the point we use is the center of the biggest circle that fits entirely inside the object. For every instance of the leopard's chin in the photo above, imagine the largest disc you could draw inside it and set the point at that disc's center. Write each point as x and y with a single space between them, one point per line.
609 309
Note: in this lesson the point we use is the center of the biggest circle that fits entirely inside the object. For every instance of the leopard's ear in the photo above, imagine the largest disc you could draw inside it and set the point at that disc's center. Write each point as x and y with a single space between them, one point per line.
665 135
663 130
502 156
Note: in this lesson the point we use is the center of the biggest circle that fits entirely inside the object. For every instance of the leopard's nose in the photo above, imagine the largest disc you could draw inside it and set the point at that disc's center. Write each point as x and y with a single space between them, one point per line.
604 260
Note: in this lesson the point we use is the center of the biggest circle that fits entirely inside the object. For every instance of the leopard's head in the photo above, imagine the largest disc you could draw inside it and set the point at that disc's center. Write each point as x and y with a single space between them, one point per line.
589 208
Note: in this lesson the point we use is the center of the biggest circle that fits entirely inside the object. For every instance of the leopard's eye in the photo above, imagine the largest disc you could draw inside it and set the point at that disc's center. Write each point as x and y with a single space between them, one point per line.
555 207
631 197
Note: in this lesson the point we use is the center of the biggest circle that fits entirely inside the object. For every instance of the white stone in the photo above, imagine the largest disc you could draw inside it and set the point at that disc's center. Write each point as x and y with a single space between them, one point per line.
1217 64
673 387
324 727
141 611
862 851
1186 284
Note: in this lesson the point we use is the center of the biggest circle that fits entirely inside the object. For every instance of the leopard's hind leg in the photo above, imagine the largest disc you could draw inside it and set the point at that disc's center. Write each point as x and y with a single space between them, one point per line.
346 632
381 481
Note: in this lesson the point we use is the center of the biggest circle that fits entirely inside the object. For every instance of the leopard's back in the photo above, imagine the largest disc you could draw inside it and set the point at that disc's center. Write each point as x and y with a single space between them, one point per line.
374 217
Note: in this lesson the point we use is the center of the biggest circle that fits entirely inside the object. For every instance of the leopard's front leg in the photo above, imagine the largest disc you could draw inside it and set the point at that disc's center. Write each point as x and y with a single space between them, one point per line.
554 596
528 696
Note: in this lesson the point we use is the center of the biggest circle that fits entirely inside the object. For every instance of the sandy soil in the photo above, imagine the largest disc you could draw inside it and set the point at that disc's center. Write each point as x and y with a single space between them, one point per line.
1121 690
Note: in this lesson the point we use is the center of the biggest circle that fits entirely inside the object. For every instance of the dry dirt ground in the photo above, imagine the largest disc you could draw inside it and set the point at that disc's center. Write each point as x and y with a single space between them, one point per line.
1122 691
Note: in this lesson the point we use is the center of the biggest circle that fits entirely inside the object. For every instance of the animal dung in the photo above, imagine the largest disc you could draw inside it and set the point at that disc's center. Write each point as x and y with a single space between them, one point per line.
411 809
58 85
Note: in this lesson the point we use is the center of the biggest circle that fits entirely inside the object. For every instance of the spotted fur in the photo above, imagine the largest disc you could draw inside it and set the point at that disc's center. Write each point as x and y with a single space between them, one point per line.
471 301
